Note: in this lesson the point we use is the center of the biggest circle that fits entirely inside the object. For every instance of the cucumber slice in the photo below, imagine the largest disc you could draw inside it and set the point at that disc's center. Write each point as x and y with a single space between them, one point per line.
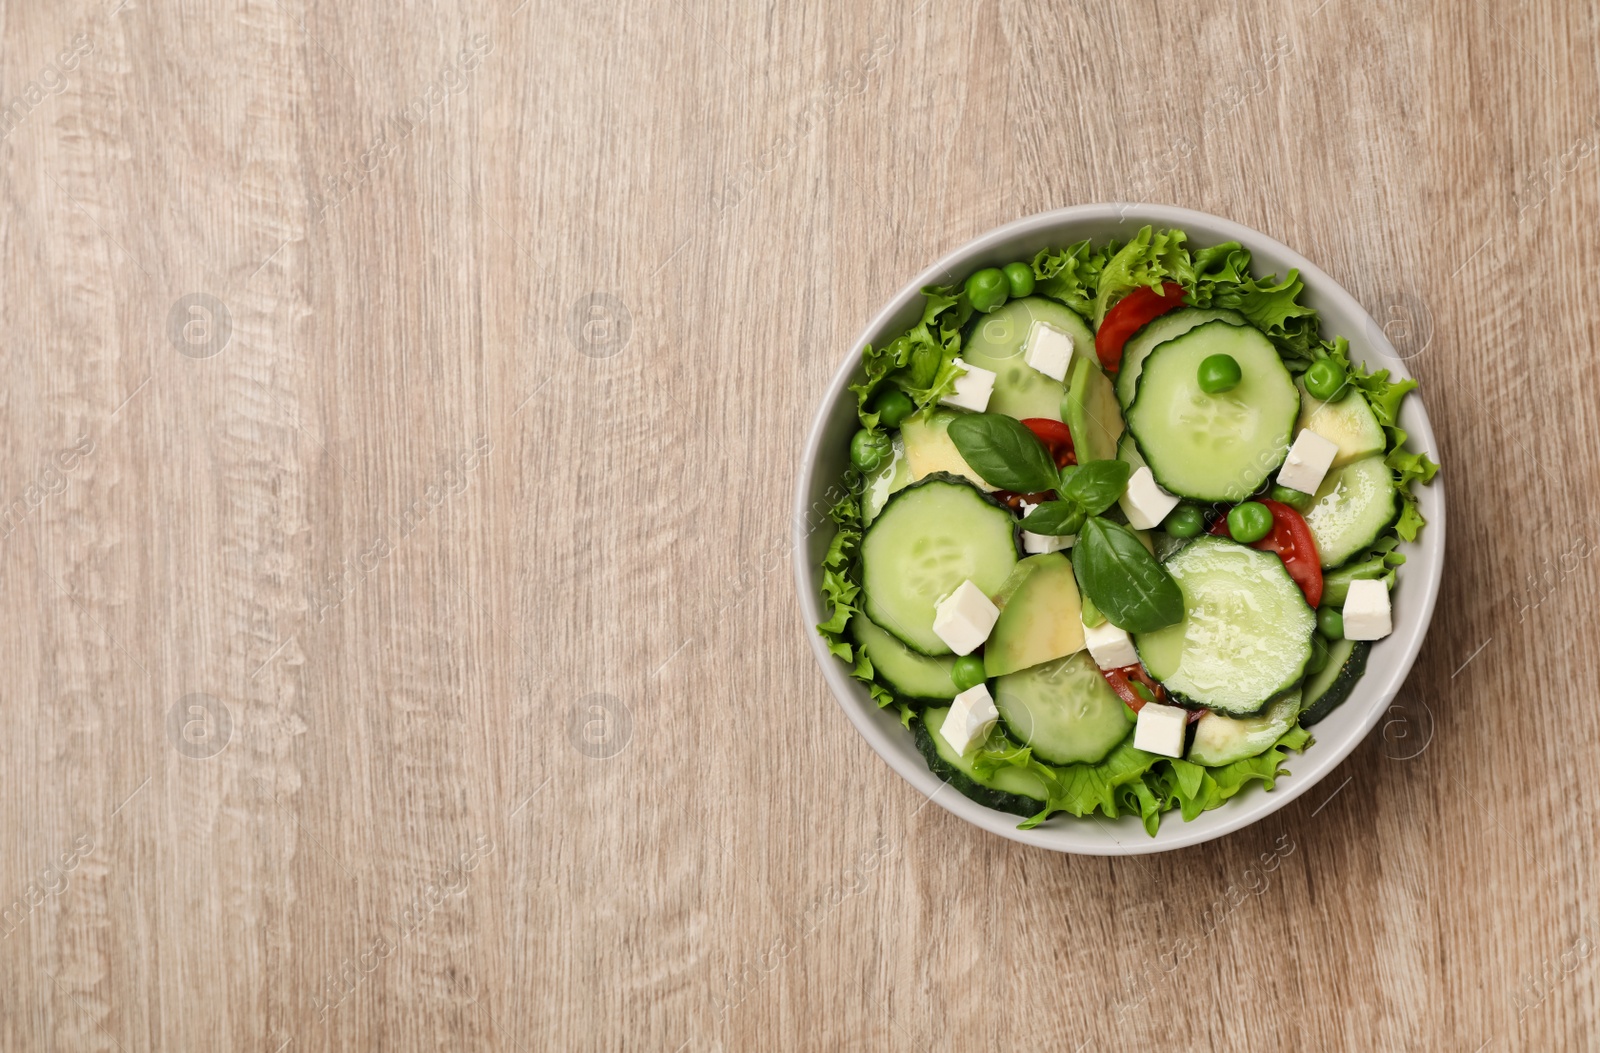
1093 416
888 479
1158 331
1353 506
1220 740
1327 688
929 538
1041 617
1064 709
995 342
1245 635
1214 447
1014 790
1347 422
912 676
930 450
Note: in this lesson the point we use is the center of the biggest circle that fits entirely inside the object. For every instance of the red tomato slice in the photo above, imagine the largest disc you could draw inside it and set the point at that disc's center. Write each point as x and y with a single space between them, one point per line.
1290 541
1056 437
1121 681
1129 316
1118 679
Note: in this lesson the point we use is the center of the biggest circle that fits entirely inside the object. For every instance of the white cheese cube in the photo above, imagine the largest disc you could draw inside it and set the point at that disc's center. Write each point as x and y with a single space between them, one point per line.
1160 729
1367 612
1048 349
1111 648
1309 460
972 390
972 716
1038 544
1145 503
964 619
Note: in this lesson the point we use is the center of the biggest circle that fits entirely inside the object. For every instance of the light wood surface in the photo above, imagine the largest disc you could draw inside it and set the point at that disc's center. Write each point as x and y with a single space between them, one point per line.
421 670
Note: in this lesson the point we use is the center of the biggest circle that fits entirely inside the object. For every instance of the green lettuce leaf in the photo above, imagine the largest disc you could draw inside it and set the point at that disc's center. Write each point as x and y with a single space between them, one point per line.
1272 306
1152 257
840 588
1132 782
920 361
1071 275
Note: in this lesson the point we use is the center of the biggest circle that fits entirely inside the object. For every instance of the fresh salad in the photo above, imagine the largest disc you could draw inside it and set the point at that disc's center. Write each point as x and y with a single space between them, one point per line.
1121 526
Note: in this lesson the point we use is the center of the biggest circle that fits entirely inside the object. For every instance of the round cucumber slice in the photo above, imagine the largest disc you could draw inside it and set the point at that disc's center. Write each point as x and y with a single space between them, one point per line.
1353 506
996 342
1158 331
1014 790
1218 447
929 538
1245 634
911 676
1220 740
1064 709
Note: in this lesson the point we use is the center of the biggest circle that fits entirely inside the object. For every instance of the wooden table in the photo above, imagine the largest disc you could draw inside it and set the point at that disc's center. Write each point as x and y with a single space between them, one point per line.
401 416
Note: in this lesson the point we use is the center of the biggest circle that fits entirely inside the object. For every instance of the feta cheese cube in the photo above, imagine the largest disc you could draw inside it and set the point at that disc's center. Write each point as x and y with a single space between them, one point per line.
1111 648
1368 614
1144 502
1038 544
1160 729
1309 460
972 716
972 389
964 619
1048 349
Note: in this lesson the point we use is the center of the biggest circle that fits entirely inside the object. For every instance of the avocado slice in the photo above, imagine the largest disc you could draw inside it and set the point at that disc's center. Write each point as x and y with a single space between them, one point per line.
930 449
1040 616
1347 421
1093 414
1221 739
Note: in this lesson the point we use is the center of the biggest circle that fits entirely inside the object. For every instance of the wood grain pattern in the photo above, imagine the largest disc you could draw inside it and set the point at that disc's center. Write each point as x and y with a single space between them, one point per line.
411 662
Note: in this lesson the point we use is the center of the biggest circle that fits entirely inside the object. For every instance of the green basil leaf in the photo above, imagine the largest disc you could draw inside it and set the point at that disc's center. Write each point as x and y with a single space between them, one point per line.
1097 485
1058 518
1004 452
1123 579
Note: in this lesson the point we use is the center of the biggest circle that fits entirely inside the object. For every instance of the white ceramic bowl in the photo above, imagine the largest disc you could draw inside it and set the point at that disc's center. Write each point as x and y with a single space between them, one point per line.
826 459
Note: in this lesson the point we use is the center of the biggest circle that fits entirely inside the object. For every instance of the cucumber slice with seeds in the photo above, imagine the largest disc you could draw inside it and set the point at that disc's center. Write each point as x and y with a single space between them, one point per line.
1245 635
1064 709
1158 331
1014 790
1214 447
996 341
1352 507
1220 739
929 538
911 676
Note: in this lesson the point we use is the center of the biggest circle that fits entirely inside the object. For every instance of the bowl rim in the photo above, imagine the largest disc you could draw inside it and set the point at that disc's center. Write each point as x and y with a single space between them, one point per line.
1255 804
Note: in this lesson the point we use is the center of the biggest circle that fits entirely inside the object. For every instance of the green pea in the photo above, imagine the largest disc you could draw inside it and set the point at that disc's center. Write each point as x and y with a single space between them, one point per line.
1020 277
1298 500
1184 521
1249 522
988 289
868 449
1319 656
1325 379
968 672
1219 373
1330 623
892 407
